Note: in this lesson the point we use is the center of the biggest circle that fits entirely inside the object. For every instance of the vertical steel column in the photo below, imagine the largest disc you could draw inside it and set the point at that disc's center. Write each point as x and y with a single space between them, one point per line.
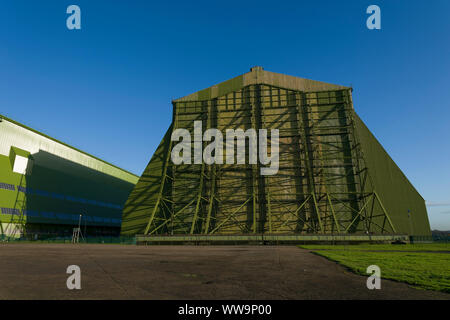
254 166
211 168
334 215
260 123
202 173
303 132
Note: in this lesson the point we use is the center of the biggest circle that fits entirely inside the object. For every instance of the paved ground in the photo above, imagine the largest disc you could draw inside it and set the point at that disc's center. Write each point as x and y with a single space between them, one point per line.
38 271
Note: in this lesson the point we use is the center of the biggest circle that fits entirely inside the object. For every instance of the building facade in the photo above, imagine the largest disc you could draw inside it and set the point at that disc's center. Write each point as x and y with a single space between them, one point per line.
48 187
333 178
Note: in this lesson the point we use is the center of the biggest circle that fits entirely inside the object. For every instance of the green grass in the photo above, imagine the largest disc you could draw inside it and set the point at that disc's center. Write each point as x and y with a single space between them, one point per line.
390 247
426 270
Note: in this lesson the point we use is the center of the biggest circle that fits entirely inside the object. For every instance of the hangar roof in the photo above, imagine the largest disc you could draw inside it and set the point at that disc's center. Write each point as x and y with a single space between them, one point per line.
257 75
29 139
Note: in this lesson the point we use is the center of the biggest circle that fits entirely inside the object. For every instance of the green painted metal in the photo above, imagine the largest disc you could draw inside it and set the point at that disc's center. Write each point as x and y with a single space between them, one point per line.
211 198
393 189
384 211
212 174
332 173
171 218
254 167
142 239
59 183
231 215
143 197
199 198
318 212
160 193
17 152
334 215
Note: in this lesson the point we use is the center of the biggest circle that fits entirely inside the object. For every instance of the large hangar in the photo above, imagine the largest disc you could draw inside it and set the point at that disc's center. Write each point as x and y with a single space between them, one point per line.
333 177
45 185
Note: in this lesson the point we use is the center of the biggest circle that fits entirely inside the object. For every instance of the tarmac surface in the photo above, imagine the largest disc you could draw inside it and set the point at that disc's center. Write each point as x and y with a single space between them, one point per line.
38 271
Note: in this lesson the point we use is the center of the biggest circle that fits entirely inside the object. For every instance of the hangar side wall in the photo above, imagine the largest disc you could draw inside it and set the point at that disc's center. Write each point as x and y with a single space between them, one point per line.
144 195
396 192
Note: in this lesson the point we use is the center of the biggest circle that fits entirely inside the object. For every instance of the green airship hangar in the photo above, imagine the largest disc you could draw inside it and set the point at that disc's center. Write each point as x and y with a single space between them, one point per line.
334 182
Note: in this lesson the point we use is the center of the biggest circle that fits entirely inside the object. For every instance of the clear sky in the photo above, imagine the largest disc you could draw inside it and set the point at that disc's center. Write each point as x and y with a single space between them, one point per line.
107 88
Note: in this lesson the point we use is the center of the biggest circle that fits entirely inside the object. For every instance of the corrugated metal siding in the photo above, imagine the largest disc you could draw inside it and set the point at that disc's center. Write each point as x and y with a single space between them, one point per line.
142 199
12 134
396 192
259 76
63 182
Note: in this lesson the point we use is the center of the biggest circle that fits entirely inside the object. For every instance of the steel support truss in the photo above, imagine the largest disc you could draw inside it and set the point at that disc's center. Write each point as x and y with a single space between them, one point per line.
323 185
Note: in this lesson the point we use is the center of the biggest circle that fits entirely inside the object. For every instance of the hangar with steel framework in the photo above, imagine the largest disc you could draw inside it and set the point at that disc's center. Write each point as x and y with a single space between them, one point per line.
335 180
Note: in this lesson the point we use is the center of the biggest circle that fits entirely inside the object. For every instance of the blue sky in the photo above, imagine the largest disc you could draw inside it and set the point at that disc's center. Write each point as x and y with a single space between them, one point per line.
107 88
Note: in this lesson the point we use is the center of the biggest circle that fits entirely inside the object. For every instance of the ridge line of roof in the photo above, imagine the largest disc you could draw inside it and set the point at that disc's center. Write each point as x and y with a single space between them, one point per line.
257 71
